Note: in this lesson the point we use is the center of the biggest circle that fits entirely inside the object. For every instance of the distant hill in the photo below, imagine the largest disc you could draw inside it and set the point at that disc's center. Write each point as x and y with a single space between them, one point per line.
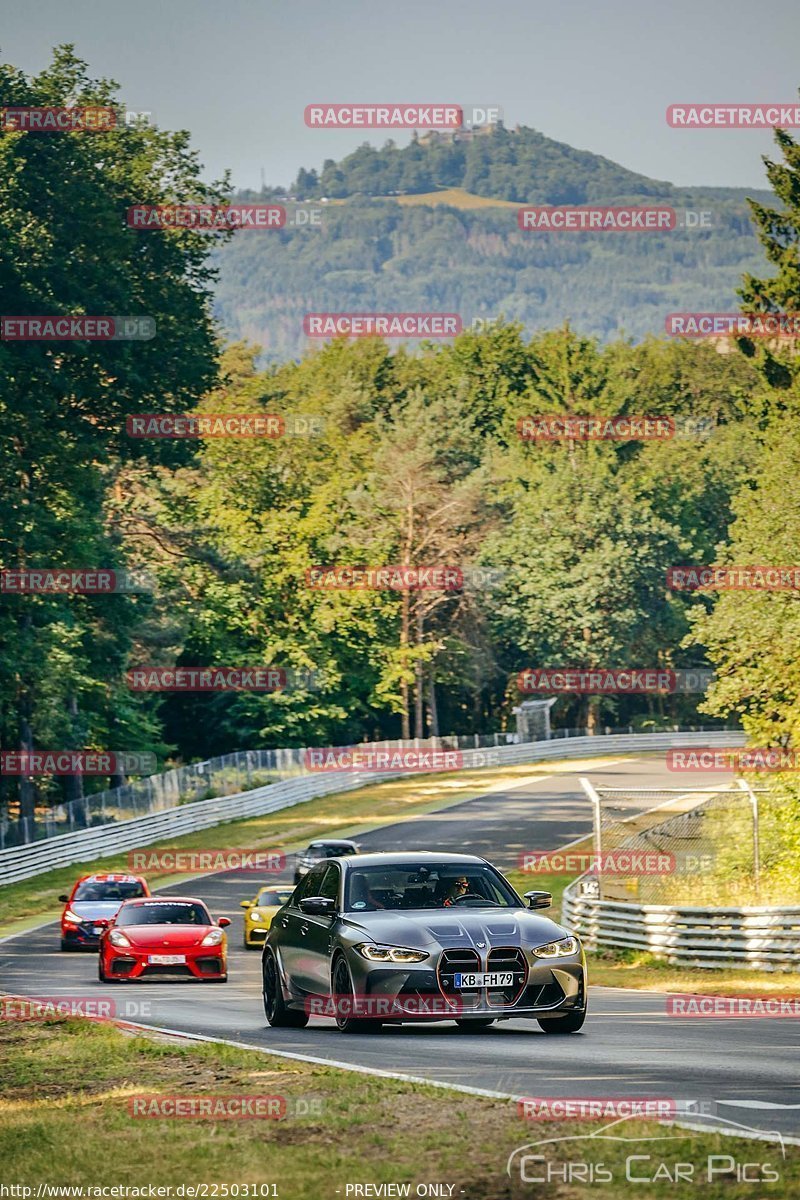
433 226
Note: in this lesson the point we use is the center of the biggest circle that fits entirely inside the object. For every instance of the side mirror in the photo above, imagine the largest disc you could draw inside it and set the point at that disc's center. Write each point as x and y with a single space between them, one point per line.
318 906
63 899
246 904
539 899
224 922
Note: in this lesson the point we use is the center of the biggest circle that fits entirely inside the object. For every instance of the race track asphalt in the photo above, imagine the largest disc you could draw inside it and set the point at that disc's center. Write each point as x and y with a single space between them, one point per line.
746 1071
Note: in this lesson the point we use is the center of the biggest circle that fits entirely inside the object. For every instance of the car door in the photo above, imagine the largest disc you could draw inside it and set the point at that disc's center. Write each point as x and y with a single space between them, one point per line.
316 930
291 940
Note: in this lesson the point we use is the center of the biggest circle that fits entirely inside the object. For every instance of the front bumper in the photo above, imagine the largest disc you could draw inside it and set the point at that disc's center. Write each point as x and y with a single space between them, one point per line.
255 935
541 987
82 937
201 962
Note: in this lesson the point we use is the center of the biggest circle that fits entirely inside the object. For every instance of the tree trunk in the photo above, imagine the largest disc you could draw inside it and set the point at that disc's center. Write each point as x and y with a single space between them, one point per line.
404 640
433 711
73 784
27 788
419 683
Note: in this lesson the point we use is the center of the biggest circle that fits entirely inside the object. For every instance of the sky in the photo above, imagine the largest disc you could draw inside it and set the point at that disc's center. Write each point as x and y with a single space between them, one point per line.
597 74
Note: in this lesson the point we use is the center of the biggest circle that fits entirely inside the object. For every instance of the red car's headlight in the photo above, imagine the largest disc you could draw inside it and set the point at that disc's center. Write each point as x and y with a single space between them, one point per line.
214 938
118 938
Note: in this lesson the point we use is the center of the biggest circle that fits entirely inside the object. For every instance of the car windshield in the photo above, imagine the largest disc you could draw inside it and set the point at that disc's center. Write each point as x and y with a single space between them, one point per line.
427 885
164 914
270 897
109 890
328 850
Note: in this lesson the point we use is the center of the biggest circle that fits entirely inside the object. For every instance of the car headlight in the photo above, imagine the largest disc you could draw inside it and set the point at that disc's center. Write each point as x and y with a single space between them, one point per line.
254 915
72 917
118 938
213 938
560 949
395 954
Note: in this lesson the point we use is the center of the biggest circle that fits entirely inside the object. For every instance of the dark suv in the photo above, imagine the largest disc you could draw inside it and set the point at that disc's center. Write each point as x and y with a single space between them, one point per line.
317 851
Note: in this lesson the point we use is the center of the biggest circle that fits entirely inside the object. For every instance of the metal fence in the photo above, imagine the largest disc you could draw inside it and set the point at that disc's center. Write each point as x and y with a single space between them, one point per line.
675 845
85 845
226 775
758 938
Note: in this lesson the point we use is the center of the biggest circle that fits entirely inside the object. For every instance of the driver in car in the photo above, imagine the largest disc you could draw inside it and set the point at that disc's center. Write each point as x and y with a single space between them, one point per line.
459 889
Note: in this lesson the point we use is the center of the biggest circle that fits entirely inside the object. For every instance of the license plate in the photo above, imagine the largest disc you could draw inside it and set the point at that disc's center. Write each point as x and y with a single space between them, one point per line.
166 960
485 979
98 929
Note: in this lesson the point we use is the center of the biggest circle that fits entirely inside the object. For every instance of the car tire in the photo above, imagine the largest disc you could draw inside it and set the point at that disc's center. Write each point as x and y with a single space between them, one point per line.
571 1023
474 1024
342 986
278 1015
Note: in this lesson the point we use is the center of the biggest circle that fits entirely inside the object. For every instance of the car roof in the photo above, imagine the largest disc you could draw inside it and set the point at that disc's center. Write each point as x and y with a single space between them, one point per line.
112 877
410 857
331 842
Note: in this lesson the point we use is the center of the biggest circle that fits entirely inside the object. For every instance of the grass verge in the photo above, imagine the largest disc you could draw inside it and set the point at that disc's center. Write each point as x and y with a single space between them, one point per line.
65 1076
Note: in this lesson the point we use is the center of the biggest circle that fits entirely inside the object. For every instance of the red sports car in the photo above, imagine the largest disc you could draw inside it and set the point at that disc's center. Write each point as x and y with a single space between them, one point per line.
92 905
164 935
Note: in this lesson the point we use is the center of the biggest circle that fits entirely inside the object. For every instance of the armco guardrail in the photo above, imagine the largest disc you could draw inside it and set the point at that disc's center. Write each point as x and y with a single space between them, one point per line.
22 862
759 938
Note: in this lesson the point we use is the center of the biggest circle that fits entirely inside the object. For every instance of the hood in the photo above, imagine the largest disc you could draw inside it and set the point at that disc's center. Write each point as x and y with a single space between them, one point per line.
163 937
95 910
448 927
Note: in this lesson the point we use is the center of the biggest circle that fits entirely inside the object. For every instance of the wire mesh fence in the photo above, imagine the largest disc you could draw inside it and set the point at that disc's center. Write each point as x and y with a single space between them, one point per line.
228 775
680 845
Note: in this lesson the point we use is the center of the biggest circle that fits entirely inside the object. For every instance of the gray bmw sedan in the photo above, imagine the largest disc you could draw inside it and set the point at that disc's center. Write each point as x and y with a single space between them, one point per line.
386 938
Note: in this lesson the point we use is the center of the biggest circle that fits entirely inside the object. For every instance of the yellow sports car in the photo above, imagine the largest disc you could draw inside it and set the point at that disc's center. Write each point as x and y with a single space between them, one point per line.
260 912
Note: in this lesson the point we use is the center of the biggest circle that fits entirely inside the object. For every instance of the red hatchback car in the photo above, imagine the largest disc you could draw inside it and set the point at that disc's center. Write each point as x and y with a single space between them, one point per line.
92 905
164 935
